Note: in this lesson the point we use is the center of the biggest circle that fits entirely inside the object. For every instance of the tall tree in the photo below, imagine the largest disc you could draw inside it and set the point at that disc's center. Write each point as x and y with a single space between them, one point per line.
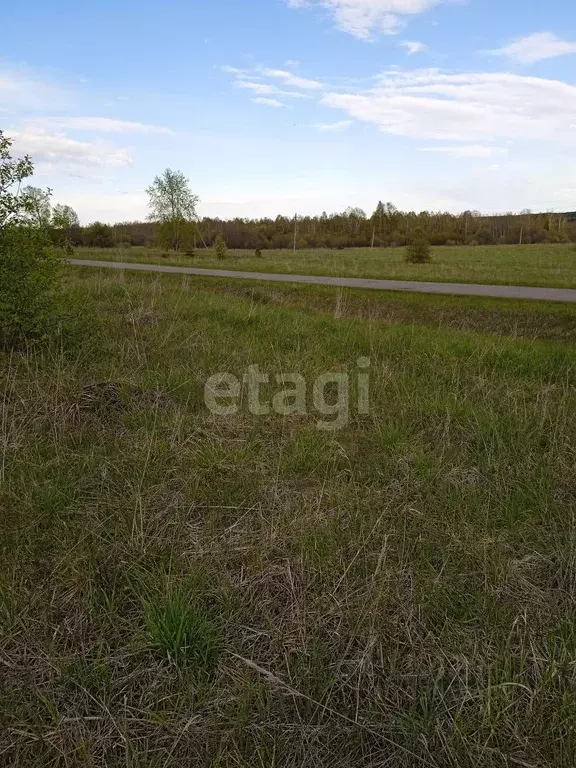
64 218
172 204
39 208
378 216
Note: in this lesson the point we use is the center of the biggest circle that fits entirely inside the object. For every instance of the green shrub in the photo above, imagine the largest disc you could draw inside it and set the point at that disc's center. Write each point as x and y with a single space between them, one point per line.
28 276
258 253
220 248
418 251
28 268
99 235
191 253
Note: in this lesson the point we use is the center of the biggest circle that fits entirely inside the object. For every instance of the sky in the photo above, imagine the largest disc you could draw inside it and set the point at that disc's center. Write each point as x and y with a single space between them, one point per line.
295 106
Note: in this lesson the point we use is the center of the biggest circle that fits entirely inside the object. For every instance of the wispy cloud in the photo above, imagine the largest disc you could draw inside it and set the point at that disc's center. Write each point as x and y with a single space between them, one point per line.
233 70
77 145
267 89
412 47
474 108
467 107
67 152
534 48
21 89
467 150
365 18
338 127
268 102
288 78
104 125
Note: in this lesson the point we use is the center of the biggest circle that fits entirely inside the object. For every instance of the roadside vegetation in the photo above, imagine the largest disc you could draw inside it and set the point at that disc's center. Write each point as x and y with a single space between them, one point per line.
543 265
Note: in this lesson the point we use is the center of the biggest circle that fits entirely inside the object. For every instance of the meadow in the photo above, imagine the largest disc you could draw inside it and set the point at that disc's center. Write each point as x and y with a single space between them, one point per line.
537 265
184 589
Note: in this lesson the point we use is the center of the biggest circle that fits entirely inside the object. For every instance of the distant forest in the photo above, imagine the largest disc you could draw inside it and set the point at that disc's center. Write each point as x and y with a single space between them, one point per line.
386 227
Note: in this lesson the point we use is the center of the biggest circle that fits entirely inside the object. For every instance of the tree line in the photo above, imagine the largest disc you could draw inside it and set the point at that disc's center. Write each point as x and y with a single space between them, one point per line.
173 224
386 227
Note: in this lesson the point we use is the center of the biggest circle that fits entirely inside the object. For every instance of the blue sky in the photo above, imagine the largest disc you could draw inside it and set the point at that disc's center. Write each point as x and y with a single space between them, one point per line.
295 106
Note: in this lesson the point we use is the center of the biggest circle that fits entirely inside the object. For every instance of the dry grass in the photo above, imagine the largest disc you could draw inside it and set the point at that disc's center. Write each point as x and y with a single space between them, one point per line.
182 589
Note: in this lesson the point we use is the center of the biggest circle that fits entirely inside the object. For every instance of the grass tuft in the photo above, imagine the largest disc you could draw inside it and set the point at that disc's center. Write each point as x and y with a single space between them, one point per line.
179 629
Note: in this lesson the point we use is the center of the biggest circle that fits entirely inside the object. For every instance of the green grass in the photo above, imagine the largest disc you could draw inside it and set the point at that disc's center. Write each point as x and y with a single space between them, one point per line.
183 589
508 317
537 265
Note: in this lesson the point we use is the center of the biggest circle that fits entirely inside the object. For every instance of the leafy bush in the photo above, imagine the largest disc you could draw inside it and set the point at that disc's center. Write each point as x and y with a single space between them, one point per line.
485 237
418 251
258 253
191 253
28 269
99 235
28 275
220 248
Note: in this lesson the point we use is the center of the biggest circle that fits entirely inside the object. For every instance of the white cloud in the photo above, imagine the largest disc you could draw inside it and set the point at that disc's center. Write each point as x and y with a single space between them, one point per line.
61 150
268 102
29 99
232 70
473 107
290 79
19 89
534 48
467 150
339 127
262 88
363 18
412 47
266 89
104 125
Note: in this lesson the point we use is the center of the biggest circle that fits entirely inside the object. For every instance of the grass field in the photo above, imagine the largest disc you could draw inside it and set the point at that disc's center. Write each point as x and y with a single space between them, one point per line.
538 265
182 589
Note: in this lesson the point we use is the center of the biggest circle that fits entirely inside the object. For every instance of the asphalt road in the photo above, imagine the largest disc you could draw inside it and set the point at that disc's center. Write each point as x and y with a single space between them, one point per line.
454 289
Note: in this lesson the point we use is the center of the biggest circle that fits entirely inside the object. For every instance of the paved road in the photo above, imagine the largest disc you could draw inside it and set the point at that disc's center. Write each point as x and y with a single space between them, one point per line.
455 289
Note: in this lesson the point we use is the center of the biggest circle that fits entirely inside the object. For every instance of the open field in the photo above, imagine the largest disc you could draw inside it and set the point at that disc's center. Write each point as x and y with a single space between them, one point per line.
182 589
538 265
